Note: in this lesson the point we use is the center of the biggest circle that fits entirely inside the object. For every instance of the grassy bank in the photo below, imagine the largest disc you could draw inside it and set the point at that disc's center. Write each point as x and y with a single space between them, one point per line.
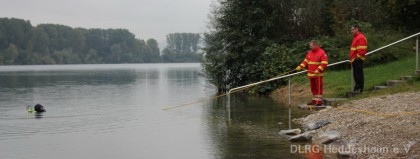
338 83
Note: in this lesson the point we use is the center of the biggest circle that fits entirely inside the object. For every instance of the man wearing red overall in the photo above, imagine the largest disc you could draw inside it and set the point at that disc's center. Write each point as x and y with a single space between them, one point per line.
317 62
357 56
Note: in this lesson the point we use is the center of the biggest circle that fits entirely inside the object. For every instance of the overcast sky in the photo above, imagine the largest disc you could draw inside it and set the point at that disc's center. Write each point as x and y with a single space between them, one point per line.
145 18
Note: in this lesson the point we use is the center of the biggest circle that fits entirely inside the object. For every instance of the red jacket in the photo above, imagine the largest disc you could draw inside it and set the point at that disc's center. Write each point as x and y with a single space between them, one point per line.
315 60
358 47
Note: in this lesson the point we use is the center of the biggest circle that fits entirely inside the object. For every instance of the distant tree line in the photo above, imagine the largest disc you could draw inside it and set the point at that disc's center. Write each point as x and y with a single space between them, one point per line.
182 47
21 43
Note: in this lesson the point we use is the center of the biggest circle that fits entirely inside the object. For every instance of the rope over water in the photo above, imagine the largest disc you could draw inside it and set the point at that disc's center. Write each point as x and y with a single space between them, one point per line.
225 94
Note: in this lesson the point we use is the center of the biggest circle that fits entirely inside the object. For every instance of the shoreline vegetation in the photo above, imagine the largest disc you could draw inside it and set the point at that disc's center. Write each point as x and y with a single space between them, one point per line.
253 41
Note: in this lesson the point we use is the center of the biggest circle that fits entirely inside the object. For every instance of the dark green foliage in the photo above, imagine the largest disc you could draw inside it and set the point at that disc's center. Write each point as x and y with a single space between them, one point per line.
273 62
182 47
243 31
20 43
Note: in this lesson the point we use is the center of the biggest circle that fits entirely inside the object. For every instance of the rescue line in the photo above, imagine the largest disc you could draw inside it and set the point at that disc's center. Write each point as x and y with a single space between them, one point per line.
230 92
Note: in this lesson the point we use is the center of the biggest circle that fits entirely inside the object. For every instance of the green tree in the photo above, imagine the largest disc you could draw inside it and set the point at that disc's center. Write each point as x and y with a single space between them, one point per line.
116 52
153 53
92 57
240 33
140 51
40 41
182 47
16 31
65 56
11 54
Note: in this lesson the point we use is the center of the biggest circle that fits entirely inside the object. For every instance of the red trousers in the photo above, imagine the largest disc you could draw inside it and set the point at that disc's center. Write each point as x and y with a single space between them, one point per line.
316 85
316 88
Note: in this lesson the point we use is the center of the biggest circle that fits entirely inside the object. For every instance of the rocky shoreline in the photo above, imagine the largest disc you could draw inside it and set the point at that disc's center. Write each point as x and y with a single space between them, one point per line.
379 127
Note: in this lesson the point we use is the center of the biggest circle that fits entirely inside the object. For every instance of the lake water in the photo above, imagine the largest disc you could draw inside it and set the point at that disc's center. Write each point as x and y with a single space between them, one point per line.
116 111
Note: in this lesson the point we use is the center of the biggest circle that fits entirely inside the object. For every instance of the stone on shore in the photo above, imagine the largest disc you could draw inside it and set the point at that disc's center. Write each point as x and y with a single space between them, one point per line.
305 137
316 125
328 137
290 132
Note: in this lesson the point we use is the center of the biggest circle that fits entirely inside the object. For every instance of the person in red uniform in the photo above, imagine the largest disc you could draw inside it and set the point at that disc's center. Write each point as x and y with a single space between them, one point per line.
316 60
357 56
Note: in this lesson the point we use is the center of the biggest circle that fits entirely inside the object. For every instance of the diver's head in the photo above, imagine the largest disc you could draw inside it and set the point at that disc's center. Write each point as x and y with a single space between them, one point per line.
39 108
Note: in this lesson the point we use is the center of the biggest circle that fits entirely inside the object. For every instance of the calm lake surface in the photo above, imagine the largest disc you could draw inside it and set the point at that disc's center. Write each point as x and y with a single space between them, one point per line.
115 111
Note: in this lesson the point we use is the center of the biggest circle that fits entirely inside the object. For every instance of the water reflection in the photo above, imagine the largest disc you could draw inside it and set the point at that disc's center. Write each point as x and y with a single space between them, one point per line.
249 128
39 115
314 152
29 79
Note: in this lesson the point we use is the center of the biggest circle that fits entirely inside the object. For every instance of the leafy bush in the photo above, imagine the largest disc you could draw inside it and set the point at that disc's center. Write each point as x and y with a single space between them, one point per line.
274 61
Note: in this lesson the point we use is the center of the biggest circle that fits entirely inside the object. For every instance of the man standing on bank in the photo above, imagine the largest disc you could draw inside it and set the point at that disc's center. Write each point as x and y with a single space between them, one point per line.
357 56
317 62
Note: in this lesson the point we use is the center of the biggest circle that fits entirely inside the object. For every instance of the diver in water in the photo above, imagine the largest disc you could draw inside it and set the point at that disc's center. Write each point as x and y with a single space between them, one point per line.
38 108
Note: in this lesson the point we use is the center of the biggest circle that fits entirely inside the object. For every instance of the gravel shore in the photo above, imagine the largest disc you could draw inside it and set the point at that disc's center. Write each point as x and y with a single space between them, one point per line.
397 134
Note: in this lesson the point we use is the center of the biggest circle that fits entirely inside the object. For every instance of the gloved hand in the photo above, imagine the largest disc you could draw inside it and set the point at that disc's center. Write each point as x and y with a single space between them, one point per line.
316 72
298 68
